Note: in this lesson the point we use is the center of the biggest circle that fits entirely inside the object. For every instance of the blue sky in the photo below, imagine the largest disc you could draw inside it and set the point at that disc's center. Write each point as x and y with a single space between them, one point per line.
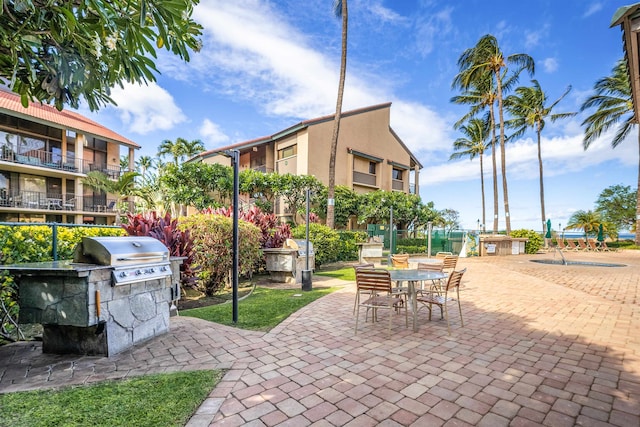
266 65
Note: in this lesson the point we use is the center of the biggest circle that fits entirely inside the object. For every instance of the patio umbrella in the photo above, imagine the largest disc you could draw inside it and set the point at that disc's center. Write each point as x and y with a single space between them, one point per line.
548 235
600 233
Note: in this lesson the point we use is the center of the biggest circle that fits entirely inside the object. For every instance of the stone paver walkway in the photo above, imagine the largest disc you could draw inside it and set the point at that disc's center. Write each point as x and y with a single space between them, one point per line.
542 345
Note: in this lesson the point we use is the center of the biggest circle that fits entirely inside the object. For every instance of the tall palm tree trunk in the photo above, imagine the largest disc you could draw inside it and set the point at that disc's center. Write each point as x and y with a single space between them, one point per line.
495 171
544 219
503 161
336 122
484 219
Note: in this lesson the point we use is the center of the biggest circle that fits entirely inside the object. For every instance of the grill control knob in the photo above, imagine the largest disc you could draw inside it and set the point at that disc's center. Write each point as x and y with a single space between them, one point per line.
151 270
164 268
138 272
124 274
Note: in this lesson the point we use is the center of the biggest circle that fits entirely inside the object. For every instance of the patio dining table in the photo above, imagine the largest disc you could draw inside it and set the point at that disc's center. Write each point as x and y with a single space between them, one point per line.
412 277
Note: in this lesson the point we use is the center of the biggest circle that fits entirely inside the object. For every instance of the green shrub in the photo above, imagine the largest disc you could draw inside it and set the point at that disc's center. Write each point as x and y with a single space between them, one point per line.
406 249
213 247
348 244
534 243
326 242
411 242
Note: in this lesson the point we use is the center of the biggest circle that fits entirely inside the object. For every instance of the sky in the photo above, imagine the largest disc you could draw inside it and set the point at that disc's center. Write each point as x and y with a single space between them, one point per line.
267 65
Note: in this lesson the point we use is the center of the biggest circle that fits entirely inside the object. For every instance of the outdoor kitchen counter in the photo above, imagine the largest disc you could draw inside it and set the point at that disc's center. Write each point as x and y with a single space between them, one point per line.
52 267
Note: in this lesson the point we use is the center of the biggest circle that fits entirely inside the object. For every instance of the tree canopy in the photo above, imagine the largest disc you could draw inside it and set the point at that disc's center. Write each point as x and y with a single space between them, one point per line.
58 52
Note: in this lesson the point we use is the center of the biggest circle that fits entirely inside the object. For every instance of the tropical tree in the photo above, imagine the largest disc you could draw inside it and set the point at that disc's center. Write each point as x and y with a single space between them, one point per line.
340 10
474 63
121 188
472 145
588 221
192 148
144 164
614 106
171 149
617 205
529 110
481 95
62 51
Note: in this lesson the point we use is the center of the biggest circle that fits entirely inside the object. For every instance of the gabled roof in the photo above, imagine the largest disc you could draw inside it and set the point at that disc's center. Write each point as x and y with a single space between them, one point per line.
65 119
302 125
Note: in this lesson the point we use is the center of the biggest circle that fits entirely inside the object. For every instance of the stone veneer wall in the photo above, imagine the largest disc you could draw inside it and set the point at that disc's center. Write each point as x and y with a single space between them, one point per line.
65 304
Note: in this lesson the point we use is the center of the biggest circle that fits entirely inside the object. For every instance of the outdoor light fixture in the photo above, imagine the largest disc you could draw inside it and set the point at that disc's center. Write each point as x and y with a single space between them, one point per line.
234 155
306 273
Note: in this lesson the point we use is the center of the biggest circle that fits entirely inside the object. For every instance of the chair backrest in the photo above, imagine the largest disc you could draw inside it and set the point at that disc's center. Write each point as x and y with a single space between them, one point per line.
430 266
443 254
582 244
450 262
571 244
560 243
454 280
592 244
400 260
377 280
364 265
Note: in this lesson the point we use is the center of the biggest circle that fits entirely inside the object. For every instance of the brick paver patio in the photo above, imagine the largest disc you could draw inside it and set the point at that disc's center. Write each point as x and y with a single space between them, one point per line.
542 345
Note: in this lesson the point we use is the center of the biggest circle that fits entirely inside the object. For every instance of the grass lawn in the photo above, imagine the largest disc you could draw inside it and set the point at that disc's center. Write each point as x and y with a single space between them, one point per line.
262 310
153 400
347 273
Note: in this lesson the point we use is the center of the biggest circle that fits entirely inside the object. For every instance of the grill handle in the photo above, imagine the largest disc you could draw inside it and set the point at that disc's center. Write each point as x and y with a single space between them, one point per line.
139 258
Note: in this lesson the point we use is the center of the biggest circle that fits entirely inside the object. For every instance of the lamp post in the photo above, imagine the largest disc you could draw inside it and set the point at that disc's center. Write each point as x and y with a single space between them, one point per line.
429 228
306 273
234 155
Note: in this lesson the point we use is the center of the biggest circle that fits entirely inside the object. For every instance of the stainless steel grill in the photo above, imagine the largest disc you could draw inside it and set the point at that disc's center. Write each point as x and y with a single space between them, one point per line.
133 258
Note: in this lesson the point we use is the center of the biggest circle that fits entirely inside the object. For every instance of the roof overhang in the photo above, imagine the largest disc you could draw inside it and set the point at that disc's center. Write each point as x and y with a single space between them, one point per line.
628 17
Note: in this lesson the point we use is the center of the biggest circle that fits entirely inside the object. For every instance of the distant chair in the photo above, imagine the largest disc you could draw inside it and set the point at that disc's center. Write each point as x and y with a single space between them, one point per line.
400 260
582 245
560 244
443 254
592 245
604 247
572 246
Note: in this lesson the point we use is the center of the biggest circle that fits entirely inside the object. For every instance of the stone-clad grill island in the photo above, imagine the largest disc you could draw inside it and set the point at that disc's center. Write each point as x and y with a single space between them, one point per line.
115 293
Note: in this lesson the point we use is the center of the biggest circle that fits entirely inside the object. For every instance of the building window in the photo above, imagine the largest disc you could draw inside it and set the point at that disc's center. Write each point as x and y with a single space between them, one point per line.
372 168
397 174
292 150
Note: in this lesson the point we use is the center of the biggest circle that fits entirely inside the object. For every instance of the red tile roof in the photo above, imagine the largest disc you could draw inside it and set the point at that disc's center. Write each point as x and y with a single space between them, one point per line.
10 103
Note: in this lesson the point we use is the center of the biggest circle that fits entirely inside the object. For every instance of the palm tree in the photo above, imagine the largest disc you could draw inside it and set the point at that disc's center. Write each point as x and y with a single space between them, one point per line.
528 109
123 187
474 63
340 10
477 133
143 165
176 150
585 220
614 104
481 95
192 148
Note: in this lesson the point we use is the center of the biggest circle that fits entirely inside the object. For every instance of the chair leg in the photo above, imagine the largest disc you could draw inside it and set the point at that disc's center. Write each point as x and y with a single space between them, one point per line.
446 314
357 316
460 310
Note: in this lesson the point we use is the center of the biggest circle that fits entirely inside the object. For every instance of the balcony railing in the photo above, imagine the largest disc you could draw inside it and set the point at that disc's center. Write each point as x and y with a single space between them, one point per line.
397 185
364 178
67 203
50 160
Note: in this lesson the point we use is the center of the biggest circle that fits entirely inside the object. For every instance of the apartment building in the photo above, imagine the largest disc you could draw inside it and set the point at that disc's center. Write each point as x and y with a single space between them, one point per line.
370 156
45 153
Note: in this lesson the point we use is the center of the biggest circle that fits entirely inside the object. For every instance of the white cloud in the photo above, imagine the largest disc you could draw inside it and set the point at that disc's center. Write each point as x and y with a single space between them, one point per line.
432 27
550 65
212 134
382 13
593 8
560 155
147 108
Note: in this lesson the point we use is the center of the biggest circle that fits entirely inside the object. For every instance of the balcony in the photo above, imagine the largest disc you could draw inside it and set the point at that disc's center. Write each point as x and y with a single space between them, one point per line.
37 202
364 178
50 160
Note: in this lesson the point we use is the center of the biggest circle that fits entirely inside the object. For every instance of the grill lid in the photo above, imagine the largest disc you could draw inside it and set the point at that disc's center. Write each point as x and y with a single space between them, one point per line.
117 251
